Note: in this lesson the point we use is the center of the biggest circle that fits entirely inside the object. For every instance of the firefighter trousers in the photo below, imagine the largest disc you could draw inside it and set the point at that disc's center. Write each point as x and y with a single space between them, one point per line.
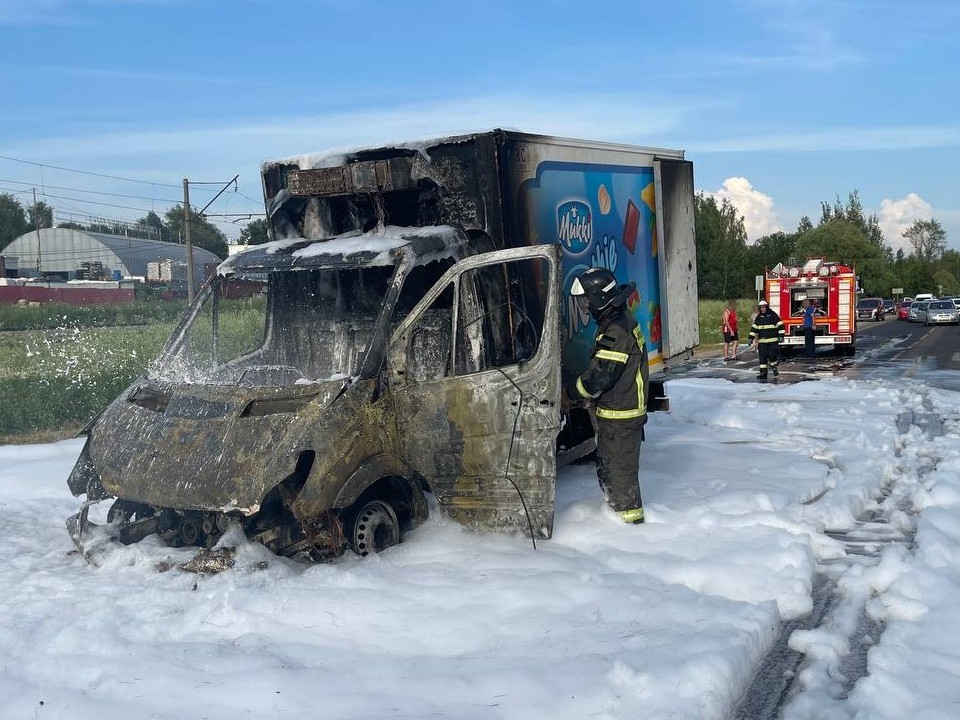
769 355
618 461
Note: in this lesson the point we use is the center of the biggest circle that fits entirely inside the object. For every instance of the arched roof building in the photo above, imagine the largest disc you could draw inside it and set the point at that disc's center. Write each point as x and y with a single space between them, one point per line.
63 251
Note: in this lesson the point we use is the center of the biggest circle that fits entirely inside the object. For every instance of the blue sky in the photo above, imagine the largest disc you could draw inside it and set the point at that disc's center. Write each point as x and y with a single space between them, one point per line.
780 104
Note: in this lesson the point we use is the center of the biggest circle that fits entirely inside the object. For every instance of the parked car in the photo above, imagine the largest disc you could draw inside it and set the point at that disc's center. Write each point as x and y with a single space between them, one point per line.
942 312
903 311
890 306
870 309
956 302
918 311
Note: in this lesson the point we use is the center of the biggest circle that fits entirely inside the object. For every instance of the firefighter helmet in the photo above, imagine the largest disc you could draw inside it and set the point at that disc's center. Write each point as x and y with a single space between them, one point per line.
598 288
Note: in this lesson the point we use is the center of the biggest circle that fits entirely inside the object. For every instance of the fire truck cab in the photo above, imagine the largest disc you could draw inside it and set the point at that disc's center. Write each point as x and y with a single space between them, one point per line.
830 286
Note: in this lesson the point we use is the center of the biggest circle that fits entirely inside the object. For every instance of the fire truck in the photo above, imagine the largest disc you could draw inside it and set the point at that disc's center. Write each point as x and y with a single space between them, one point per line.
831 287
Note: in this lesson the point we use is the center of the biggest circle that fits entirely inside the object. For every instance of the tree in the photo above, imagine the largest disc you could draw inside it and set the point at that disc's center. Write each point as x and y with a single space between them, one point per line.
255 233
928 240
778 247
154 227
721 248
42 212
13 222
852 212
202 233
841 240
804 226
945 282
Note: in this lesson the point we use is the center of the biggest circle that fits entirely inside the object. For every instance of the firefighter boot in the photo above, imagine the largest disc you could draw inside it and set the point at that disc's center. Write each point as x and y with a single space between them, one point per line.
634 516
775 371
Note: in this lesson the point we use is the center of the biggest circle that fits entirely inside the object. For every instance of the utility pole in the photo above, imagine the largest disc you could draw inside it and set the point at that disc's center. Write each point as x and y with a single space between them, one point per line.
186 235
186 224
36 221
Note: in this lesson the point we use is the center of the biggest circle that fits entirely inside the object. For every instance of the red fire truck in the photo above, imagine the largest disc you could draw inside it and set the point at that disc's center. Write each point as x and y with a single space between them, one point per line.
831 286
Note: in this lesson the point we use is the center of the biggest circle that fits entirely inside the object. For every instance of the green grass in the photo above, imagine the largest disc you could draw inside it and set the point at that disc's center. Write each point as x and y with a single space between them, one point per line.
710 313
48 316
52 380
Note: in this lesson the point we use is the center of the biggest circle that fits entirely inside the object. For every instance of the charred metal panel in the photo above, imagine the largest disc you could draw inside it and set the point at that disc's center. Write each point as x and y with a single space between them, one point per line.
355 430
483 438
204 462
358 177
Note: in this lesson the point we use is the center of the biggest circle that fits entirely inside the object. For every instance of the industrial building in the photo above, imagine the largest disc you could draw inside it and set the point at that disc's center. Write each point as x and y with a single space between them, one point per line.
68 254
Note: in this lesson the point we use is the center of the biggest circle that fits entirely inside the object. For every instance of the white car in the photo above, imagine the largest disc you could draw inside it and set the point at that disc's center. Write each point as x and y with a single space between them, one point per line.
941 312
918 311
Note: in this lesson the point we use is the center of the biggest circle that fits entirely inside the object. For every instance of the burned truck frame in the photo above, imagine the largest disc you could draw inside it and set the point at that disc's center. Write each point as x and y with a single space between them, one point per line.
315 397
404 333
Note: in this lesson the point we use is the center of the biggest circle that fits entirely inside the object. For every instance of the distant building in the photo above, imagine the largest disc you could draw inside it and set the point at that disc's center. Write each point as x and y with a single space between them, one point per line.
67 254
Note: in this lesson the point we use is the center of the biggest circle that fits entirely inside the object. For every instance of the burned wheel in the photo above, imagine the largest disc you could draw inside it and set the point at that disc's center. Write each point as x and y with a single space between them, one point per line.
374 528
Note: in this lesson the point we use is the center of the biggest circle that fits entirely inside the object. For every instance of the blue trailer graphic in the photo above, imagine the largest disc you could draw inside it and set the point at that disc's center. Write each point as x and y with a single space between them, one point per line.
602 216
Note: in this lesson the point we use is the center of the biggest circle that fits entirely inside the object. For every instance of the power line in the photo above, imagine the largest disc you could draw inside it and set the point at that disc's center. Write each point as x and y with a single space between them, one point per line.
85 172
91 192
84 200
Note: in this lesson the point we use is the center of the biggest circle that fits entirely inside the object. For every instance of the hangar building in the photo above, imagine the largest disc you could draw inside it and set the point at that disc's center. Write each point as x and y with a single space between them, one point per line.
67 254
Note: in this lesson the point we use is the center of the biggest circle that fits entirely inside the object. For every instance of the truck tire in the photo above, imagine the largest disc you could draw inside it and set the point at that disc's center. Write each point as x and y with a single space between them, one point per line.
373 528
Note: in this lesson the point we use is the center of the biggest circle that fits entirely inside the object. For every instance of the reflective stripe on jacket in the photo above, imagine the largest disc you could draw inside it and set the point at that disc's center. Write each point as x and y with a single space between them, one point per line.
618 372
767 327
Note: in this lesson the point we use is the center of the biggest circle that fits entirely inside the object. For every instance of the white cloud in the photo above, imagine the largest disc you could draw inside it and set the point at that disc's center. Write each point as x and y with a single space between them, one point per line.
759 216
897 215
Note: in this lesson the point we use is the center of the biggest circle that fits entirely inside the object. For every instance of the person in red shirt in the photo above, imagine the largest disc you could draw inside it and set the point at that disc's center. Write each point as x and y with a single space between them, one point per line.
728 326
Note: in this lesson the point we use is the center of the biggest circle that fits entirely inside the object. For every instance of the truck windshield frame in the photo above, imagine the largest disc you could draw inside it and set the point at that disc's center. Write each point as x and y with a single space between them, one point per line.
283 327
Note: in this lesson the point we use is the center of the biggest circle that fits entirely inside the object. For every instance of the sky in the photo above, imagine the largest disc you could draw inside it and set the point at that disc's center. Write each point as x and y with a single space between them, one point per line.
766 505
781 104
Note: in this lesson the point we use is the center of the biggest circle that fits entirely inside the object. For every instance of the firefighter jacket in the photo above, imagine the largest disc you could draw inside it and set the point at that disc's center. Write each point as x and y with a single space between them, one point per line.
617 378
767 328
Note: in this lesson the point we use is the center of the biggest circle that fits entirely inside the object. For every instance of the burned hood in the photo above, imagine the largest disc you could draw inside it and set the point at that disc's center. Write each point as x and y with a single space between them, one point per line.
207 447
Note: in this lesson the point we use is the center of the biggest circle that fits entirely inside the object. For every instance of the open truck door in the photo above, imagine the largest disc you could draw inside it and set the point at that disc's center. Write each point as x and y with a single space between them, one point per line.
474 372
678 255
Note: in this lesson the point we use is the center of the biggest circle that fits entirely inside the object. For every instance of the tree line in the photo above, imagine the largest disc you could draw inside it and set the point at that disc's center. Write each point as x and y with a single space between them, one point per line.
727 264
15 220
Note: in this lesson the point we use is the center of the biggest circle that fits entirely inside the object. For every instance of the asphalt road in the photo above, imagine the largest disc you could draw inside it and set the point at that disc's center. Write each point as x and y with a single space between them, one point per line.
890 349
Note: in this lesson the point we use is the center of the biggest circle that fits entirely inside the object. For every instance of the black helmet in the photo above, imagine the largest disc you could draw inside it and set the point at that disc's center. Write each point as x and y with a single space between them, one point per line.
599 289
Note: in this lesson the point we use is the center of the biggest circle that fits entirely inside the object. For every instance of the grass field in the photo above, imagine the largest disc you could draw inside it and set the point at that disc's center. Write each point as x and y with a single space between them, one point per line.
710 311
53 381
49 316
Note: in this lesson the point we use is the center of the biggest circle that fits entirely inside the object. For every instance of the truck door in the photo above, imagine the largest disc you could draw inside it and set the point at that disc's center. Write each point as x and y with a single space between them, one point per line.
678 256
474 375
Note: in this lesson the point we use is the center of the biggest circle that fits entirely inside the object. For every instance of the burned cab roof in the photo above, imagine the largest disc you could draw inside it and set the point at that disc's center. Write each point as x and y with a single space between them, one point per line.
352 249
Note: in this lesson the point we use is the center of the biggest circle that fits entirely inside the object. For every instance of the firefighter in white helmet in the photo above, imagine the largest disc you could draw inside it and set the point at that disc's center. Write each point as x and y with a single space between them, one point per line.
766 334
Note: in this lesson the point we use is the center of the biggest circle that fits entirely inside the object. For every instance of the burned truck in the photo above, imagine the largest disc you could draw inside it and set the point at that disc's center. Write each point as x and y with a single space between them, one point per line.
404 334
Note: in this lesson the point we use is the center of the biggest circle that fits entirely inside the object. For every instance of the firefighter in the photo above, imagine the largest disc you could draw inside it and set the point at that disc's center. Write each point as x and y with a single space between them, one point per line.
616 382
766 334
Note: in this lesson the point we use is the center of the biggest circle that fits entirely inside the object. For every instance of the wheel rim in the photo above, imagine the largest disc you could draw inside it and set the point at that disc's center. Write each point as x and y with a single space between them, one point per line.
375 528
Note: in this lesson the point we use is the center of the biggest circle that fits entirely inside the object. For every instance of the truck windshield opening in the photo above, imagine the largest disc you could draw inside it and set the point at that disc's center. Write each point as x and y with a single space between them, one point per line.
279 328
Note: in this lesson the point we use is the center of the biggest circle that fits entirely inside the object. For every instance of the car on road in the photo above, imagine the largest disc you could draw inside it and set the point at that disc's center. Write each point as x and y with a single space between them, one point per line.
903 311
918 311
941 312
890 306
870 309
